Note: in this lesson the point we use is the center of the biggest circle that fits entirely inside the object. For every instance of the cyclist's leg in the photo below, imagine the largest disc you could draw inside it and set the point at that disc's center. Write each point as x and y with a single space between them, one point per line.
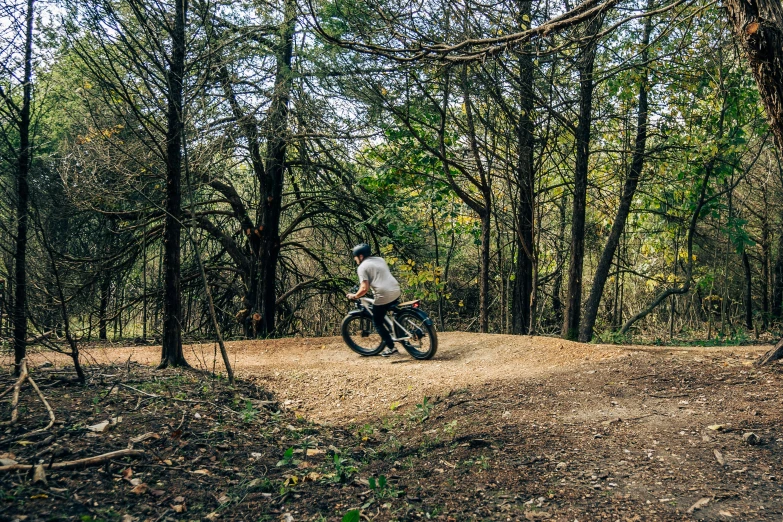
378 316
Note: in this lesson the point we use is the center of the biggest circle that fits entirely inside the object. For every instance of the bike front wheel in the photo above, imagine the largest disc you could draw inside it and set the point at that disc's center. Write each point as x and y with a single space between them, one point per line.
359 334
423 340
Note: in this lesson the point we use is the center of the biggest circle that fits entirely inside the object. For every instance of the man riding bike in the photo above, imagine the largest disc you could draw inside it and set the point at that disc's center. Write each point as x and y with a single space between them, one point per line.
374 273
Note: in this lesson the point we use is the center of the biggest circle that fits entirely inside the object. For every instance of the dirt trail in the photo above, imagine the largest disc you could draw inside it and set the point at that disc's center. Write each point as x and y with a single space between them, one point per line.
328 383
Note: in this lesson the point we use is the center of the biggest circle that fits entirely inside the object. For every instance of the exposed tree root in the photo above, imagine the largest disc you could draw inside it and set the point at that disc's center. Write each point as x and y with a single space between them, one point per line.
24 375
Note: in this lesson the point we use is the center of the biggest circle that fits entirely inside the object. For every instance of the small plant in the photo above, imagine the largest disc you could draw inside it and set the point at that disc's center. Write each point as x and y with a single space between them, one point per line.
382 489
423 410
450 428
351 516
366 431
483 462
343 468
249 413
288 458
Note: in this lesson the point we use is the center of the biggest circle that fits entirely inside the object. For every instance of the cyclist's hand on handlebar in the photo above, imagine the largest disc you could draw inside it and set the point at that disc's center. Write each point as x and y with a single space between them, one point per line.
352 297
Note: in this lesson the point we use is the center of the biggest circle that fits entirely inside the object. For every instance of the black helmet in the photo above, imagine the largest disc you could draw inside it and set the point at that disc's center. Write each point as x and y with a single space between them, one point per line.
362 249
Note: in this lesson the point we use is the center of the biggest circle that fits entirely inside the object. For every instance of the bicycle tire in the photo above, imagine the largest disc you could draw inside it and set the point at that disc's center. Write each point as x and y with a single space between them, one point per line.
359 334
424 341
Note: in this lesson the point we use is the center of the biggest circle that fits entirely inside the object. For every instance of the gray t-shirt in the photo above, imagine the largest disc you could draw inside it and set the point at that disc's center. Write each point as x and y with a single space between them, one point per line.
385 287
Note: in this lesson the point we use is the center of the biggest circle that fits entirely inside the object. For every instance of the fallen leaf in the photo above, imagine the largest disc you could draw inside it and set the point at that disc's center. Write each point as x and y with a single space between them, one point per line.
157 492
716 427
136 481
101 427
127 473
201 472
699 504
212 516
314 451
168 462
140 489
179 500
725 513
127 518
179 508
719 457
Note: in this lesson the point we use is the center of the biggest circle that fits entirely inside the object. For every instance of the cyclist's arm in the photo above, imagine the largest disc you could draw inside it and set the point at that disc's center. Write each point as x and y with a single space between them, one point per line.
363 289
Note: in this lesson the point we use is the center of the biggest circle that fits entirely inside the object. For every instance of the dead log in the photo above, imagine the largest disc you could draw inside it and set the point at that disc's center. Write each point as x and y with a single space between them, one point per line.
80 463
775 354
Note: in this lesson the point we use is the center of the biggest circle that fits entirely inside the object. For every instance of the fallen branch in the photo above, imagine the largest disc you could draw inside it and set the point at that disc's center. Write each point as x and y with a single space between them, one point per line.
89 461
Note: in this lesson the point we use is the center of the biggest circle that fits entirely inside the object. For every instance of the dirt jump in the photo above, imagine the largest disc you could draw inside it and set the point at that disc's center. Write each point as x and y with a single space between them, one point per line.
500 427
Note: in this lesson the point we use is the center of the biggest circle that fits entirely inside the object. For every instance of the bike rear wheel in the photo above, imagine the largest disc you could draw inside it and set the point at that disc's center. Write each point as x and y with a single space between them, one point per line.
359 334
423 341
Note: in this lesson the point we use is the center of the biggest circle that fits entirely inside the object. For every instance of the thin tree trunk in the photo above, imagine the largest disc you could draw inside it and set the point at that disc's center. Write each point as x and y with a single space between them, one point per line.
103 307
272 182
522 298
765 265
23 197
629 190
776 307
172 354
748 291
574 298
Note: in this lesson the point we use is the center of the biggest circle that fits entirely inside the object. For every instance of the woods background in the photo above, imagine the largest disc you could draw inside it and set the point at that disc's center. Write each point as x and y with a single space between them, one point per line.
601 171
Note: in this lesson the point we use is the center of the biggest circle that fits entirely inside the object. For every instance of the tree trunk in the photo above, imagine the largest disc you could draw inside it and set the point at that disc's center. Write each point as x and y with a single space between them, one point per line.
748 291
484 273
776 308
103 307
765 266
23 198
522 297
758 28
272 181
574 297
631 183
172 354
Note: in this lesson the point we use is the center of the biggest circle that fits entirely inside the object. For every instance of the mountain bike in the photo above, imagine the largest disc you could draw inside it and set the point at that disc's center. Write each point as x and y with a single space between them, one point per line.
407 322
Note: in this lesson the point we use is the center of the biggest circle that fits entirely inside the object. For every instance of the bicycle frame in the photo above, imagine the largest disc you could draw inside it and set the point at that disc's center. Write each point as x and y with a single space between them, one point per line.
364 305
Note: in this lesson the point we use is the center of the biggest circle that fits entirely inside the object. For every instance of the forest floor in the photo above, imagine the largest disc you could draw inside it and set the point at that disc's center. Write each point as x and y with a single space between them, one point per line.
495 427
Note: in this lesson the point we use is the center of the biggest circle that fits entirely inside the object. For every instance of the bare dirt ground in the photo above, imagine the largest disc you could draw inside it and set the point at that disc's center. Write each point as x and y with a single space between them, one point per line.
494 428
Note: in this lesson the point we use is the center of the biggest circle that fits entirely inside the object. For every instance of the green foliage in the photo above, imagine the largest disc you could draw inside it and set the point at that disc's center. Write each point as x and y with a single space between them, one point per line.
288 459
351 516
422 410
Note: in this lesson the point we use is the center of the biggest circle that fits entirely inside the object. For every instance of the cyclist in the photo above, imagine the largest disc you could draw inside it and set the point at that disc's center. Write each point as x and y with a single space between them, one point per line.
374 273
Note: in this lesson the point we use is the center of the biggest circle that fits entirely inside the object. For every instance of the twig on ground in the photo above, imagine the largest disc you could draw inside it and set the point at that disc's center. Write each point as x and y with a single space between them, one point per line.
89 461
